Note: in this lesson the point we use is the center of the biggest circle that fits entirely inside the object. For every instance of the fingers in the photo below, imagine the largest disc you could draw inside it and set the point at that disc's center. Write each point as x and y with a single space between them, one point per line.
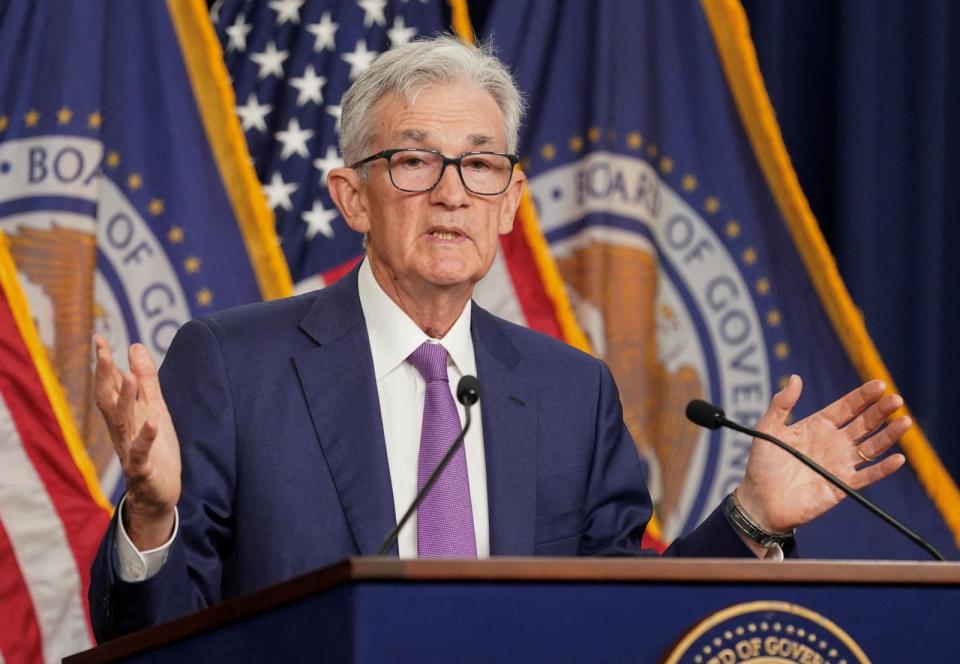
145 369
122 421
875 415
877 471
884 439
117 396
782 403
140 447
847 407
107 379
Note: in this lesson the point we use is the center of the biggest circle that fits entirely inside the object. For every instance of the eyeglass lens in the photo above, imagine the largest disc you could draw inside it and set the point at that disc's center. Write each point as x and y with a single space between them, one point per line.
419 170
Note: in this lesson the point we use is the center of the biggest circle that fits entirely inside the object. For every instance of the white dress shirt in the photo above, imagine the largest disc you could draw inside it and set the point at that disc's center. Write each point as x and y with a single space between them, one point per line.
401 390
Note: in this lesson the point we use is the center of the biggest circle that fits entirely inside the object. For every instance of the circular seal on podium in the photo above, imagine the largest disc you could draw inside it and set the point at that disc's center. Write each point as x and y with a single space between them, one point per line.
766 632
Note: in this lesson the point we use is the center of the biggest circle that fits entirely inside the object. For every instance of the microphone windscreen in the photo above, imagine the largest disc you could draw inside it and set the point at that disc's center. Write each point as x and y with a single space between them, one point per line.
704 414
468 390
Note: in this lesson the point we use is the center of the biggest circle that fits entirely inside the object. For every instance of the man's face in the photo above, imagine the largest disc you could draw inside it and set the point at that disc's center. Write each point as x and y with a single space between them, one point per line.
446 237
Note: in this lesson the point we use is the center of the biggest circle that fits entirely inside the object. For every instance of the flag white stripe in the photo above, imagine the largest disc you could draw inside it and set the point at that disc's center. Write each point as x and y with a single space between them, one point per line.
40 545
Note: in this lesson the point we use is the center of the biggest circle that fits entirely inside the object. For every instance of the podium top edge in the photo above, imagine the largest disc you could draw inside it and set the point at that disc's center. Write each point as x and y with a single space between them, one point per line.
650 571
627 570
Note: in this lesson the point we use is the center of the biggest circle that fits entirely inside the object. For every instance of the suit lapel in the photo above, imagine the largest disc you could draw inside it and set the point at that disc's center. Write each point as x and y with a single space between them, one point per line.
509 406
340 387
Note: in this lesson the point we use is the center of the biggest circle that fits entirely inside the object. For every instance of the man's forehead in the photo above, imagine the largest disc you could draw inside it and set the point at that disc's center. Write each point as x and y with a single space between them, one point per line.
458 107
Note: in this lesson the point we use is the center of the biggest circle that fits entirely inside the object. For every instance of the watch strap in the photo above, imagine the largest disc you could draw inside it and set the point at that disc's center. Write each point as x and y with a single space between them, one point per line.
743 523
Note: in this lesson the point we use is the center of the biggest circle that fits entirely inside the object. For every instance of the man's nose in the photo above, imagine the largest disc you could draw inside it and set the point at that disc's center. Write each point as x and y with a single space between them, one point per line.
450 190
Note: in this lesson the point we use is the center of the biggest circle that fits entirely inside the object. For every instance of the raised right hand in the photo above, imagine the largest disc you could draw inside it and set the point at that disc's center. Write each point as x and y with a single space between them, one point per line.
143 436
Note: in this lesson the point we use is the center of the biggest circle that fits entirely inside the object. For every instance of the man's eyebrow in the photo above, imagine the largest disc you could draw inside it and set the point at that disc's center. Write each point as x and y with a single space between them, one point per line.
421 136
481 140
415 135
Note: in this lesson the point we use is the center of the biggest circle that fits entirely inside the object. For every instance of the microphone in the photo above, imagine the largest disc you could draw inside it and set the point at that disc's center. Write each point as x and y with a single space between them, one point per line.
707 415
468 393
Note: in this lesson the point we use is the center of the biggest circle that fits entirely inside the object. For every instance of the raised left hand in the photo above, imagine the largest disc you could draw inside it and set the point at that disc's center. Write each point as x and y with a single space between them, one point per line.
781 493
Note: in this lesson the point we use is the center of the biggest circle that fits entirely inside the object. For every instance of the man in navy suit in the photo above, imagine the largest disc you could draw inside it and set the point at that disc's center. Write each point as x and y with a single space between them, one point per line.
297 421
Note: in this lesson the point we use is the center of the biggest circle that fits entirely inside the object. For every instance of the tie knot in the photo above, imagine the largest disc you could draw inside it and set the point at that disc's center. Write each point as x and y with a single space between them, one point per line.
431 361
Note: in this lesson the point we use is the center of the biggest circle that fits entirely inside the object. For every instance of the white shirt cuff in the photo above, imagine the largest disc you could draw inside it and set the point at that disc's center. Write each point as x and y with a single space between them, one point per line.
135 565
774 553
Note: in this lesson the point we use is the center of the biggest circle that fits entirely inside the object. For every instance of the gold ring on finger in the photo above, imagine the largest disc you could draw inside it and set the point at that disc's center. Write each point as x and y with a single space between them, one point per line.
864 456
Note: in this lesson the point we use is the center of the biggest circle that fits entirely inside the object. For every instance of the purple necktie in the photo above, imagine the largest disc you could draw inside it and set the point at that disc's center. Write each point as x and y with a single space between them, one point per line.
444 518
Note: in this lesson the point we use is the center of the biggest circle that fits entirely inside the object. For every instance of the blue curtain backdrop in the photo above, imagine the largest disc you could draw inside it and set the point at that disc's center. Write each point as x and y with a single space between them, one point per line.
868 98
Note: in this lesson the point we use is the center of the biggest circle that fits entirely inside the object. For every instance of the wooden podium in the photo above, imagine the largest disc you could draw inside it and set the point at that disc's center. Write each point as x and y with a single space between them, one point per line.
573 610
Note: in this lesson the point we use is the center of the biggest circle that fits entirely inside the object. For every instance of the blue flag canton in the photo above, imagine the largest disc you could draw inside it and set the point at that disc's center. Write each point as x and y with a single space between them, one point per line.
290 62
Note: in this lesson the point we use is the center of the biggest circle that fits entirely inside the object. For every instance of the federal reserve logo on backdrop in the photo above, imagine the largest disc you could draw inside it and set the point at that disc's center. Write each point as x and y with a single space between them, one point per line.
670 292
87 258
765 632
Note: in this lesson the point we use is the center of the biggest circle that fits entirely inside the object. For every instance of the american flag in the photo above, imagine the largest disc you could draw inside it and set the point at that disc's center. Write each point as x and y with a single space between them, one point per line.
290 62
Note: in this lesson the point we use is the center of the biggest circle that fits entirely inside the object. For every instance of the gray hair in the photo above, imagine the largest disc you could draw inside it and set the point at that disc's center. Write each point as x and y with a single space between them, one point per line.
408 69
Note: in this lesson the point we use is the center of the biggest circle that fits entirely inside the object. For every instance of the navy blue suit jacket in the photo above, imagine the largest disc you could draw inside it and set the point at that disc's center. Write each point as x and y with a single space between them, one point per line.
285 468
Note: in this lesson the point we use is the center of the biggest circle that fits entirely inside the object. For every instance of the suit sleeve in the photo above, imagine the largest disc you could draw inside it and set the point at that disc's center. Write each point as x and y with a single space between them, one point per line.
620 504
196 388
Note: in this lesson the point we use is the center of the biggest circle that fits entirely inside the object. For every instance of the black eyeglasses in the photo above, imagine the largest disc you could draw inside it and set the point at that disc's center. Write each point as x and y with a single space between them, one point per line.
415 170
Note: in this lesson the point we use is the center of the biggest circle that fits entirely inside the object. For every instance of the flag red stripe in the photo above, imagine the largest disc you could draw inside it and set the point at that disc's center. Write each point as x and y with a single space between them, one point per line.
83 520
528 282
651 542
334 273
20 633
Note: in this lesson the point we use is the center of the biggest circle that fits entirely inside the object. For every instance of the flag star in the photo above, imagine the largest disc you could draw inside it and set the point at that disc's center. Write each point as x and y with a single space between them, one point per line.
330 161
359 59
270 61
335 110
238 35
400 33
191 265
287 10
373 12
318 221
253 114
294 139
278 192
309 86
323 33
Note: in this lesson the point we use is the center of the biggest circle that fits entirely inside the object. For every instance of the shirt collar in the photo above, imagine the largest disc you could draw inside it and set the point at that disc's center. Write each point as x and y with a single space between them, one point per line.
394 336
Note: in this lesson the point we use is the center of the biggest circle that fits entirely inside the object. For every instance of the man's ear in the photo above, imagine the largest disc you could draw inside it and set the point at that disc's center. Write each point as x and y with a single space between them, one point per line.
347 191
511 201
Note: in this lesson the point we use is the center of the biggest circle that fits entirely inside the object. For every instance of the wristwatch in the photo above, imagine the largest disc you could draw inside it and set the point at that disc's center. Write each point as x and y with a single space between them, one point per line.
742 522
